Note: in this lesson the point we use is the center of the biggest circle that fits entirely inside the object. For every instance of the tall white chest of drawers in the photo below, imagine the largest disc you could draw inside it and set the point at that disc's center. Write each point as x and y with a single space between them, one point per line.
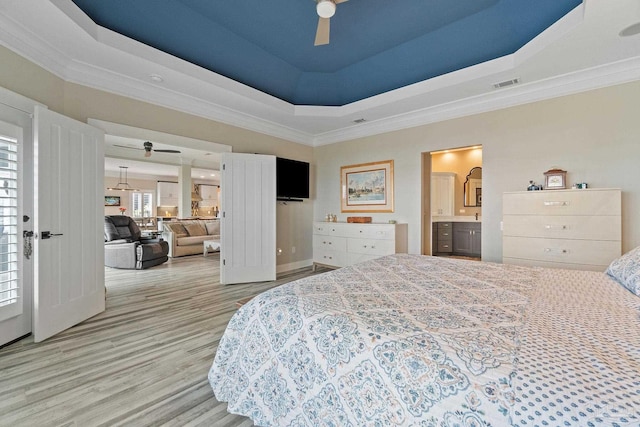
338 244
572 229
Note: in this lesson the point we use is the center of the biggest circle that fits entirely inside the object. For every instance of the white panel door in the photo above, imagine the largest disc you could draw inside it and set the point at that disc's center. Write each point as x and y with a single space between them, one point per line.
248 220
68 193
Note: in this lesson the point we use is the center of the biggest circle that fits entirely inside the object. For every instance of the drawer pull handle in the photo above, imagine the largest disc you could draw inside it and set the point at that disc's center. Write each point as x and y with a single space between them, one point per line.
552 203
559 227
445 234
558 251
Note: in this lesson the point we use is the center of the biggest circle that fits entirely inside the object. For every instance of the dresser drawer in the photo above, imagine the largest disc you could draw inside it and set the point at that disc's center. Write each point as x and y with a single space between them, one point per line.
330 257
330 228
563 226
446 234
329 242
444 225
377 231
446 246
562 202
371 247
321 228
592 252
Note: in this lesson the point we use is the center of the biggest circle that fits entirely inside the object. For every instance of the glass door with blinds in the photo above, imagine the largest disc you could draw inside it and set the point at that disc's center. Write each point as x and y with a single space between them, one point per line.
143 209
11 298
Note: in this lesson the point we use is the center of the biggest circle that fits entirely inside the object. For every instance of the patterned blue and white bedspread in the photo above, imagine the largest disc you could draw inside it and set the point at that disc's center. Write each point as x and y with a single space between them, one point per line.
409 340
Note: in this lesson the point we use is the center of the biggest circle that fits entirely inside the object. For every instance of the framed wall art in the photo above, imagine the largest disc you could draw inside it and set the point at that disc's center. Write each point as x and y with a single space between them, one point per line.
112 200
367 187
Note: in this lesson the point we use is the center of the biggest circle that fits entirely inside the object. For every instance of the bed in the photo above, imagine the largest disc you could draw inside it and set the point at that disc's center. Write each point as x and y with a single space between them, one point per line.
410 340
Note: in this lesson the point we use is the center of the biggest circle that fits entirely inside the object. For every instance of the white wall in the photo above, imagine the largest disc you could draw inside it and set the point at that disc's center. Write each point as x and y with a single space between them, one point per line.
595 136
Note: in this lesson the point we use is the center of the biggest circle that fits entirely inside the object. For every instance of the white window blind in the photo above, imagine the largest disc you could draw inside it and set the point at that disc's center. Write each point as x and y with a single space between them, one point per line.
9 272
142 203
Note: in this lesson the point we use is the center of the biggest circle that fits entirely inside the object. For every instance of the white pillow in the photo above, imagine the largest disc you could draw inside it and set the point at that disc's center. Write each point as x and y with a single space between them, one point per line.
626 270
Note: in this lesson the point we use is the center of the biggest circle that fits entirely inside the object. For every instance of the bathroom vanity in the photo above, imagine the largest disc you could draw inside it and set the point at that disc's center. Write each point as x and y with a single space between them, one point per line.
457 235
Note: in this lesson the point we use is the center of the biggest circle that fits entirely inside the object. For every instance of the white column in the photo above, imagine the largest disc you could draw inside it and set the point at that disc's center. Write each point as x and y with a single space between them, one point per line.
184 193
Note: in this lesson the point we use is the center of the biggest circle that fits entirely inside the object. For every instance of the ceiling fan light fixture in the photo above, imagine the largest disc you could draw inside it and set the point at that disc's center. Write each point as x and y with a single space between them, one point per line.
326 8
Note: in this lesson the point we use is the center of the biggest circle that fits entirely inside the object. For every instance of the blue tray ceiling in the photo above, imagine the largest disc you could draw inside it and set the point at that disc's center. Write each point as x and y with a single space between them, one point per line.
376 45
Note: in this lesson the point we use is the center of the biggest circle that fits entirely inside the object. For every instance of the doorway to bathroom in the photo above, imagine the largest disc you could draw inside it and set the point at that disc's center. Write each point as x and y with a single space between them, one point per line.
452 202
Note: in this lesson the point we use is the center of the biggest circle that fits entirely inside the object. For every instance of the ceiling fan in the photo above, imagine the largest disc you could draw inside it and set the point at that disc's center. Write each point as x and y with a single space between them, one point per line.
326 9
148 148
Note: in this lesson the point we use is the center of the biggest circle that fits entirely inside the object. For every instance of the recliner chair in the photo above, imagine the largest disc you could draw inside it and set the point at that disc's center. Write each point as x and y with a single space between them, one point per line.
124 246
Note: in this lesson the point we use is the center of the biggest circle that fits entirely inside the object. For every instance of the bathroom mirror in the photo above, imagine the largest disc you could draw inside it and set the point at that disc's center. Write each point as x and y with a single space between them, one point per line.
473 188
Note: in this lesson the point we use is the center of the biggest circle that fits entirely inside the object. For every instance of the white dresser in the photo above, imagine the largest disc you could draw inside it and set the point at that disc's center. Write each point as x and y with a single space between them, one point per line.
573 229
338 244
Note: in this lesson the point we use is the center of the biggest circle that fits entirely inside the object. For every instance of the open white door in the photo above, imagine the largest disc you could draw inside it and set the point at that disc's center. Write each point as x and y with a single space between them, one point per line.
248 220
69 244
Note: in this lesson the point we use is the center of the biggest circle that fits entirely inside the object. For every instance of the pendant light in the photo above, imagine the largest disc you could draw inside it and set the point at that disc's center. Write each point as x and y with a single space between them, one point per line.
123 185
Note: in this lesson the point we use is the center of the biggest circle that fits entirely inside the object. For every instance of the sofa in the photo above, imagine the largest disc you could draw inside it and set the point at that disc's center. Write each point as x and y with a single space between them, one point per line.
124 246
186 237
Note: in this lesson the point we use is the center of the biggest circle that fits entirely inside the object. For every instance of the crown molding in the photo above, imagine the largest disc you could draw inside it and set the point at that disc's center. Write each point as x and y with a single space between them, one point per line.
17 37
568 84
108 81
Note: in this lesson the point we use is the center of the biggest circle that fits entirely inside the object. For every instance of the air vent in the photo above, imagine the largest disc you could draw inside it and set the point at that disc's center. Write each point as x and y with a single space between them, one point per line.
506 83
359 120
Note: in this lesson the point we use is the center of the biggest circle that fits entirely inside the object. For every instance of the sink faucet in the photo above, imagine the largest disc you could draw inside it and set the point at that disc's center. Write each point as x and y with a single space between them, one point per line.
476 216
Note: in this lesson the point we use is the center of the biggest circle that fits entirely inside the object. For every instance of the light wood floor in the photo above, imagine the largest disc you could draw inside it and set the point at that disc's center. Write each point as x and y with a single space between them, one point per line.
142 362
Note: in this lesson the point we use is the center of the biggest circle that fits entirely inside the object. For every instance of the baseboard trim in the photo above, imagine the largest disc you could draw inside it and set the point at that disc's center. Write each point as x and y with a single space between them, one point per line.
282 268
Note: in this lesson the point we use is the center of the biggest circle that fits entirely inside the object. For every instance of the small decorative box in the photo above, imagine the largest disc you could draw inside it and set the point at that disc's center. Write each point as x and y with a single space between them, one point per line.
359 219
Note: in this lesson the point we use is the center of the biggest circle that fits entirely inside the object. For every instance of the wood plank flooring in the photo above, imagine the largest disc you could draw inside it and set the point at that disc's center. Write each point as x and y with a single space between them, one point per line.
142 362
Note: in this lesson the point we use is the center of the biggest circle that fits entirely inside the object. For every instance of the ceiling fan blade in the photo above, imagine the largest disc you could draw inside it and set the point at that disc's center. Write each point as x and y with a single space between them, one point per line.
322 34
340 1
167 151
126 146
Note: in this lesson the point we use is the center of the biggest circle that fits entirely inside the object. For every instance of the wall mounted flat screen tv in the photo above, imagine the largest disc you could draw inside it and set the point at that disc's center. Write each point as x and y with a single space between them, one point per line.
292 179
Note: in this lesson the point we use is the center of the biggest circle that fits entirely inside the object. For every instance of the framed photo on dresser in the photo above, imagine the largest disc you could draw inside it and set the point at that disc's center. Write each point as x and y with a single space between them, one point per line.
555 179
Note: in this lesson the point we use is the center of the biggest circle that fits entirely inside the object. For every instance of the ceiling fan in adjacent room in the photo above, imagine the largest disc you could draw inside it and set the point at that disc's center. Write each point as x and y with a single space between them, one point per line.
326 9
148 148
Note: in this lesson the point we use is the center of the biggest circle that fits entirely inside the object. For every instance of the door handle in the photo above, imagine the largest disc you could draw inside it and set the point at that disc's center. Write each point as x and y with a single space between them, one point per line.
48 235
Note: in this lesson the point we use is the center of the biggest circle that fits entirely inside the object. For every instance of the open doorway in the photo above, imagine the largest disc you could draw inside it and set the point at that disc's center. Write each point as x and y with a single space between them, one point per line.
452 202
